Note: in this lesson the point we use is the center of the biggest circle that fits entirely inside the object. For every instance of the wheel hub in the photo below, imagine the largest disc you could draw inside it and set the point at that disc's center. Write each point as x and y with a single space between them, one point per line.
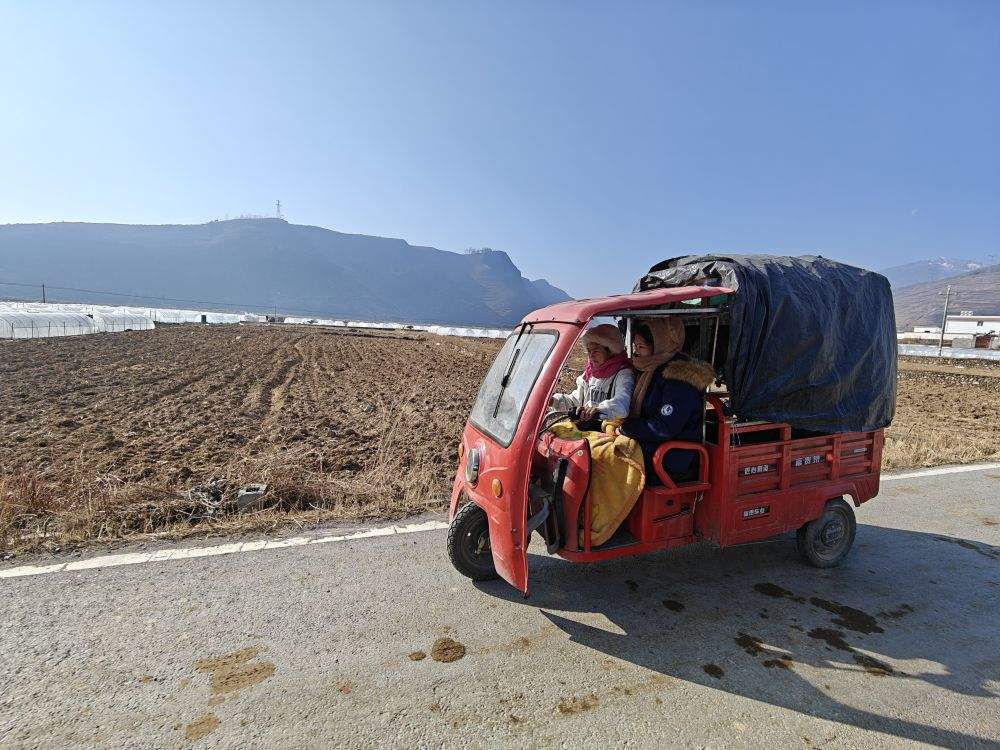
482 545
832 533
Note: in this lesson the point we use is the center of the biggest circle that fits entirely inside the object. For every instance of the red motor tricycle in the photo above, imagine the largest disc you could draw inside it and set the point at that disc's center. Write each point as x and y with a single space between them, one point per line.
755 478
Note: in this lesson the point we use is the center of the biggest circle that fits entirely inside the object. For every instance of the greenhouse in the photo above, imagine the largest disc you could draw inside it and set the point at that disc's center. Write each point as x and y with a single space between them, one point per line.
37 325
120 321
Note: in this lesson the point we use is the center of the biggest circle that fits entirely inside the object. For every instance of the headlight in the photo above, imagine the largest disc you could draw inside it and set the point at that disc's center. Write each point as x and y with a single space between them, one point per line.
472 466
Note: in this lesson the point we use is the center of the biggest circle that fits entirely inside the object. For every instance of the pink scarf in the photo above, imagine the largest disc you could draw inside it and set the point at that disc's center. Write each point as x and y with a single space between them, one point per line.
616 362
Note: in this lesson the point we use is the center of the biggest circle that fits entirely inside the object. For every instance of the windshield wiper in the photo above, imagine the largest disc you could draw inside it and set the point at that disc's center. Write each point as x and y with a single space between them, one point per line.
509 371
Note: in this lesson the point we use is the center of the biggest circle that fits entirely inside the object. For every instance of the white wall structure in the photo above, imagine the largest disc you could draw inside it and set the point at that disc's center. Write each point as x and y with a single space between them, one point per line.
38 325
964 341
914 337
972 324
917 350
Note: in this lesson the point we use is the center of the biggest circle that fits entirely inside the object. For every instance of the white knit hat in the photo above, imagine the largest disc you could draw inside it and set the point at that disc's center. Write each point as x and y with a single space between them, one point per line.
606 335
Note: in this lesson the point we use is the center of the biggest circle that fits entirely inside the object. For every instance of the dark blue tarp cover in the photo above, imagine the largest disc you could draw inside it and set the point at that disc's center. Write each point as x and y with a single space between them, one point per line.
812 342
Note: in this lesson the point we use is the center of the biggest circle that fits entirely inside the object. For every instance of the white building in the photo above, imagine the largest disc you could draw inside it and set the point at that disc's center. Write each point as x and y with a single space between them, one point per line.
967 322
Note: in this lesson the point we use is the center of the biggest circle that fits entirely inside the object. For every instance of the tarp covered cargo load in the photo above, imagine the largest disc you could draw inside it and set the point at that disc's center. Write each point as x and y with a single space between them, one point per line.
812 342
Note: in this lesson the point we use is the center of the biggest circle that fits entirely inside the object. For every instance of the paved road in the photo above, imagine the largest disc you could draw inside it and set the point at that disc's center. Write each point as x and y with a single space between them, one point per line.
308 646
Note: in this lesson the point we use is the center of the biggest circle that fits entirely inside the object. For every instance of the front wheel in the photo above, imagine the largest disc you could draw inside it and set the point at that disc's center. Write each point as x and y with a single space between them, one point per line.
469 544
825 541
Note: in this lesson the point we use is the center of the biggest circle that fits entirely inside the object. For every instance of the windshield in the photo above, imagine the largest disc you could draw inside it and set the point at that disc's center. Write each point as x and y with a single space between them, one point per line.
505 390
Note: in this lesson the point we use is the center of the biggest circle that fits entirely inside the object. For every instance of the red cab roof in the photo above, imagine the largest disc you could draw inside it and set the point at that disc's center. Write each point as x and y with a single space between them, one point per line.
582 310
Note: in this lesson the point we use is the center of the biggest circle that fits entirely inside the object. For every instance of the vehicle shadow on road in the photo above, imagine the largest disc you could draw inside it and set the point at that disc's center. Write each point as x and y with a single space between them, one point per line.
904 606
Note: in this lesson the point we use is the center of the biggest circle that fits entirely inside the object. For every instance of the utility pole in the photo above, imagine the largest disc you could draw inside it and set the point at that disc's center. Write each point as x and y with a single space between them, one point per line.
43 293
944 319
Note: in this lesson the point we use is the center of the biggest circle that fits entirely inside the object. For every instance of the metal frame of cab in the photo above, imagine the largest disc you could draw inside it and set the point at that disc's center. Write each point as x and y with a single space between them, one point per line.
755 480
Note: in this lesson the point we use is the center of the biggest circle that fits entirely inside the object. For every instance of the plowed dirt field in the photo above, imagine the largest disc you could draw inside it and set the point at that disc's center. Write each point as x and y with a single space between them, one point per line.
111 435
107 434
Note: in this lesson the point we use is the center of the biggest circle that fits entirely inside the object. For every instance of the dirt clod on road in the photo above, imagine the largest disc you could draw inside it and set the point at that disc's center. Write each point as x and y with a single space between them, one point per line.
201 727
234 672
447 650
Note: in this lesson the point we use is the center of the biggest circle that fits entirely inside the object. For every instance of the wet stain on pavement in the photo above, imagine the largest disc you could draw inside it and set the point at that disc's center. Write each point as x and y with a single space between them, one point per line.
713 670
984 550
894 614
577 704
416 656
781 662
835 638
344 687
872 665
831 637
848 617
632 585
233 672
776 592
749 643
673 605
447 650
201 727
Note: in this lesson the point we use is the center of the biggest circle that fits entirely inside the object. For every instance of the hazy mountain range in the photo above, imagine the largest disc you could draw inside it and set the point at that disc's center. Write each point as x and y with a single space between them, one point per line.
269 262
920 271
923 304
918 289
262 264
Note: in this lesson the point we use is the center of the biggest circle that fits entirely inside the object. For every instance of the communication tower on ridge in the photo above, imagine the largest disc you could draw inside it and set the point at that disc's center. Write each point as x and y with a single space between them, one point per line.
277 210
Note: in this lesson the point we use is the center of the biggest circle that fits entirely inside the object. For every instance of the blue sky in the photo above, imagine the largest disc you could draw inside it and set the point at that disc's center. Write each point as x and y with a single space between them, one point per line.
587 140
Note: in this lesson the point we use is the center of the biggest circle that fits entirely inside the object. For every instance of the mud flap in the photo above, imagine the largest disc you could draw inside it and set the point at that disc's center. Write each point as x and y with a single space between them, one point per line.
508 542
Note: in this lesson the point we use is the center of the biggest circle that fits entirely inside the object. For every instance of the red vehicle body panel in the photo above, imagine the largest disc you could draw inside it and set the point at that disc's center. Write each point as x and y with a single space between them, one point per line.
755 480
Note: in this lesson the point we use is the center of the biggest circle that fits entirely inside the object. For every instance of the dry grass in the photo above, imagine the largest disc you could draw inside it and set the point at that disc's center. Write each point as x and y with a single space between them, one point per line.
35 513
946 412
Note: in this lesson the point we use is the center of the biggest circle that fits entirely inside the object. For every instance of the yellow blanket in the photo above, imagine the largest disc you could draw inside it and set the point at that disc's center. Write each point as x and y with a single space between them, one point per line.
617 476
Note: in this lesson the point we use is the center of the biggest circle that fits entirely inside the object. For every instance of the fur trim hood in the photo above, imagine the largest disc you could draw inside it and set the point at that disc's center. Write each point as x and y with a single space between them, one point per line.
696 373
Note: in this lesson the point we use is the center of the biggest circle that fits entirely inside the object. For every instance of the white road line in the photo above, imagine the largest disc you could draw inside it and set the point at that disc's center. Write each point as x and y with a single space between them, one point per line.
187 553
941 470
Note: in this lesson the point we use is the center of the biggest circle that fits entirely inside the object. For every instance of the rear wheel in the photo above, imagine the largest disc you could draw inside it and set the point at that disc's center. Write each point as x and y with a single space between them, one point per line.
469 544
827 540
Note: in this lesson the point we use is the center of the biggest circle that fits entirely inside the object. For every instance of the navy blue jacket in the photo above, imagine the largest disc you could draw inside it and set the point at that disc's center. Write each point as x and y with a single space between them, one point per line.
672 409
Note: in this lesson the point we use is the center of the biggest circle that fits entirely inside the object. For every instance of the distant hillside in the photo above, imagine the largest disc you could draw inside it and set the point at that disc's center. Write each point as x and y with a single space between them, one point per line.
922 304
269 262
921 271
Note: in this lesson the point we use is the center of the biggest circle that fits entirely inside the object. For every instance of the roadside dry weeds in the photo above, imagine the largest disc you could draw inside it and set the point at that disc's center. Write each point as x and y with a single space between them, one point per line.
946 412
